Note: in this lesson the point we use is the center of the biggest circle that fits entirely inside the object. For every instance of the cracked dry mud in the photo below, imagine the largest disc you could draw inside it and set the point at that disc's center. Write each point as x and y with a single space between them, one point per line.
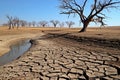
49 60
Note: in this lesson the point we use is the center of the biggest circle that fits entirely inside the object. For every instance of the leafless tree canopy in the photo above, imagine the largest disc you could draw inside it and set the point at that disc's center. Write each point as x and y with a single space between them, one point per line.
29 24
54 22
23 23
43 23
95 13
61 24
33 23
69 23
15 22
10 21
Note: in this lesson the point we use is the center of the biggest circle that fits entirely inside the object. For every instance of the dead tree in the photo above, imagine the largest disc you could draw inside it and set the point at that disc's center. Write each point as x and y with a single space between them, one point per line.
95 12
16 22
61 24
33 23
29 24
23 23
43 23
70 23
55 22
10 21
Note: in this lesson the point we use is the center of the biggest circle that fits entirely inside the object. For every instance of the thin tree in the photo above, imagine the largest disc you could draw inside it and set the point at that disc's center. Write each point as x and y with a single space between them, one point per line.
23 23
43 23
16 22
33 23
55 22
61 24
29 24
95 12
10 21
70 23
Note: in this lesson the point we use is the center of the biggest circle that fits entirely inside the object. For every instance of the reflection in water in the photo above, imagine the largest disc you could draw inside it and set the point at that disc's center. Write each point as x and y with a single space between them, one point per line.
16 51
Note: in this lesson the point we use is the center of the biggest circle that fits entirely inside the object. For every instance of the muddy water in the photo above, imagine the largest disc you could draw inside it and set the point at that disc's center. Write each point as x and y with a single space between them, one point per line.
16 51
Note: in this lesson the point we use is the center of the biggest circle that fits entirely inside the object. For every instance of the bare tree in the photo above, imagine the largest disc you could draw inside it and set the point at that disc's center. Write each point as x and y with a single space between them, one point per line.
29 24
10 21
33 23
69 23
61 24
23 23
43 23
54 22
95 13
16 22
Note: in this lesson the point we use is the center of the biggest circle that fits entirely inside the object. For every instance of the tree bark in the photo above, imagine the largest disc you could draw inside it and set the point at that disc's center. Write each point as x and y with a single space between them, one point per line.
85 25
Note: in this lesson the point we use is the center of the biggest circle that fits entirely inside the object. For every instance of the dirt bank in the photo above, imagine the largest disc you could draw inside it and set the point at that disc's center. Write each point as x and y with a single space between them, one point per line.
10 37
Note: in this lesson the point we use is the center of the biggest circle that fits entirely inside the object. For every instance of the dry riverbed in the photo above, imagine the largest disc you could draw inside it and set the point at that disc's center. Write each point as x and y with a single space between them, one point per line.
55 57
62 59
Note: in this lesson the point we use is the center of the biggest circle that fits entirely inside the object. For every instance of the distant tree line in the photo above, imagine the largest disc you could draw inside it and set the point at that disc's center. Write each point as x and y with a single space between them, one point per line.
15 22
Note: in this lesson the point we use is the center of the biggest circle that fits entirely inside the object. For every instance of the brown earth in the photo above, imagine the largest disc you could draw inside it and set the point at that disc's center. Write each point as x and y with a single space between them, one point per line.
65 54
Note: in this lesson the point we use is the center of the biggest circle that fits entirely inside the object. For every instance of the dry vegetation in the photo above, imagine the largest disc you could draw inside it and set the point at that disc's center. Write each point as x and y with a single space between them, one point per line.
105 33
109 32
8 37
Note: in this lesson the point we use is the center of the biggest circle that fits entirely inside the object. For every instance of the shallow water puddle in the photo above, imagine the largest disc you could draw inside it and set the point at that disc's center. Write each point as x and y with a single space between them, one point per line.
16 51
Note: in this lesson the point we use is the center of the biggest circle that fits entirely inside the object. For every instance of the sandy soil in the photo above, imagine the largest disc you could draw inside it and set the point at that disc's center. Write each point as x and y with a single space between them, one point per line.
8 37
55 57
58 58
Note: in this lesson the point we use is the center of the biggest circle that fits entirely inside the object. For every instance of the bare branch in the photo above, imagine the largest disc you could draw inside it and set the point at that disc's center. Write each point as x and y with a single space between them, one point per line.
70 23
95 14
61 24
84 4
43 23
55 22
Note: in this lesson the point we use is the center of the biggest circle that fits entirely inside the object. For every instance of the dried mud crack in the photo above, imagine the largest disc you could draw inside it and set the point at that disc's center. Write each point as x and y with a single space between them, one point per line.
61 59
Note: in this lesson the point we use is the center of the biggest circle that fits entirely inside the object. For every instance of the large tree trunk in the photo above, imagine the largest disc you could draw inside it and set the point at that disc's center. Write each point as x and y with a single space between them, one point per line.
85 25
55 25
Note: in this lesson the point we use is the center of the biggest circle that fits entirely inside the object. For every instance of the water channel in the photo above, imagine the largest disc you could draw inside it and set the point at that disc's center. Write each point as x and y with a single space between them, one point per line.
16 51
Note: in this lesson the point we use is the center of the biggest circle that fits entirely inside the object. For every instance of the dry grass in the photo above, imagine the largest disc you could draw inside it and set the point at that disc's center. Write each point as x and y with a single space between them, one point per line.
109 32
106 33
8 37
